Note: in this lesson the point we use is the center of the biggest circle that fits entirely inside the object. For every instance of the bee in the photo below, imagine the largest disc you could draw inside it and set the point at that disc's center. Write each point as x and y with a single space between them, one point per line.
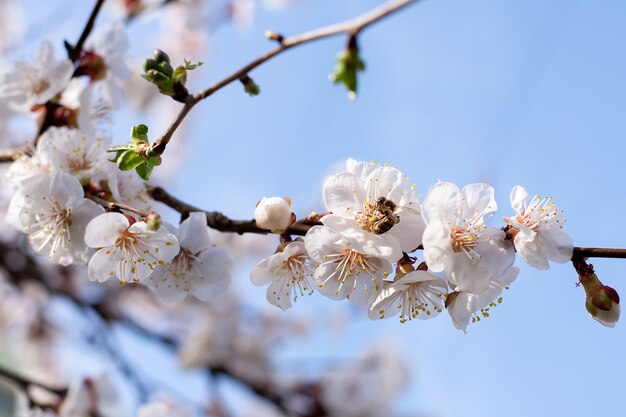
384 216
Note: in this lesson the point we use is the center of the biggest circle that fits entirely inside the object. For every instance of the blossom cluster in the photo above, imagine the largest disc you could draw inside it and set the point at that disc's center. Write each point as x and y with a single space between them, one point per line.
360 250
67 193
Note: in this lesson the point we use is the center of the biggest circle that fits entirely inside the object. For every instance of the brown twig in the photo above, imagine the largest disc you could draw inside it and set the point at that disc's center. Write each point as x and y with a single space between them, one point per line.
218 221
74 52
24 382
112 206
350 27
9 155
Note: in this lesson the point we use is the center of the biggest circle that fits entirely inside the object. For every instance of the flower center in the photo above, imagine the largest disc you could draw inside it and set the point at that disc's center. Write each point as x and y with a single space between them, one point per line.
463 239
377 218
52 228
297 269
540 213
350 265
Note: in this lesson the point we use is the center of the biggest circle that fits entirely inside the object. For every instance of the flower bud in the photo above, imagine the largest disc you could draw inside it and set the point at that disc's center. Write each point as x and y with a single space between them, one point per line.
602 301
274 213
153 220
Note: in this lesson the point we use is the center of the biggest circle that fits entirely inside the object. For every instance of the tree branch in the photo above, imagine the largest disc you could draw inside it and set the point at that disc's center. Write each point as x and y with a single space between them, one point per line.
24 383
350 27
74 52
218 221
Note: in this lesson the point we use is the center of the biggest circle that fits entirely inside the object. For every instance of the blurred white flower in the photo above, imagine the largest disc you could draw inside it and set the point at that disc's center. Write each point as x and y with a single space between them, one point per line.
538 230
458 242
366 388
25 85
71 151
53 212
128 251
86 397
347 267
289 274
162 407
105 62
199 269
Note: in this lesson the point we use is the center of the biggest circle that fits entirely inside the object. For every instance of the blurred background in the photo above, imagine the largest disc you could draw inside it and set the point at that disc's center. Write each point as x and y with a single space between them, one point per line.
507 93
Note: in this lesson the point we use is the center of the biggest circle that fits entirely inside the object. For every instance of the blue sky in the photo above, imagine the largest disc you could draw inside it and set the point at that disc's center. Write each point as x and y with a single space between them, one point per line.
507 93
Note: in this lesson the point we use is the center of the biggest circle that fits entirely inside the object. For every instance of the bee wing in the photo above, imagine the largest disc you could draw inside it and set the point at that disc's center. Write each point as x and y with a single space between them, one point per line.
400 209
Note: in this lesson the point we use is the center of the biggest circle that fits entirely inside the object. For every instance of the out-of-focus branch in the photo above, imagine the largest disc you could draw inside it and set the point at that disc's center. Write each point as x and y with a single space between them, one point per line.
350 27
9 155
74 52
29 270
24 382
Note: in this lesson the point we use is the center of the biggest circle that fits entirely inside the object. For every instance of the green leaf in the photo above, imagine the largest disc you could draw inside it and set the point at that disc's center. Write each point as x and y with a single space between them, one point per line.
121 148
180 75
189 66
139 133
129 160
349 64
155 161
144 171
252 88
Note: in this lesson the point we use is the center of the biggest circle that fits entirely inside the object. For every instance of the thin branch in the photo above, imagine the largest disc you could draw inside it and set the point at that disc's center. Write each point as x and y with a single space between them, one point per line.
74 52
9 155
24 383
599 253
112 206
350 27
218 221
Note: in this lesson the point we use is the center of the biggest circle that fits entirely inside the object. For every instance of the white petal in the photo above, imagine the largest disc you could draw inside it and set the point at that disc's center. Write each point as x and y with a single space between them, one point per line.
441 202
261 274
518 197
344 194
215 269
102 264
559 245
104 230
477 198
194 234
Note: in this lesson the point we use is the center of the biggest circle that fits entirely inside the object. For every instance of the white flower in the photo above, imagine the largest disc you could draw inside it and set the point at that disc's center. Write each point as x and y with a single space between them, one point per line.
347 267
289 274
199 269
106 63
273 213
69 150
25 85
91 116
539 233
129 252
458 242
463 305
25 167
414 293
376 203
52 210
162 407
127 187
366 388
